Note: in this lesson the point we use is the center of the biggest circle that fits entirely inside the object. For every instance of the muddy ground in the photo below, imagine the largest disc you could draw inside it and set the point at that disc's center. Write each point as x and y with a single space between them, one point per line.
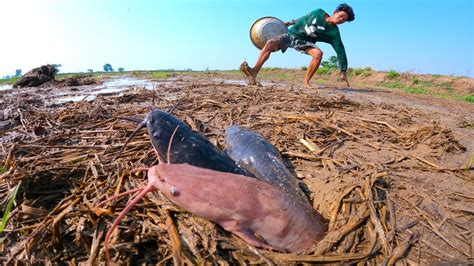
391 172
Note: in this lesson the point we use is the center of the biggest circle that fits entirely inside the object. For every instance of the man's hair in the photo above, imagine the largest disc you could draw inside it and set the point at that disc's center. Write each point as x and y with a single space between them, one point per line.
346 8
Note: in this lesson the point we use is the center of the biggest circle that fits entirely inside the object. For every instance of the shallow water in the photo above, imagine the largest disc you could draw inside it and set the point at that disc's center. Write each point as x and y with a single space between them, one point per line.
240 81
120 82
110 86
5 87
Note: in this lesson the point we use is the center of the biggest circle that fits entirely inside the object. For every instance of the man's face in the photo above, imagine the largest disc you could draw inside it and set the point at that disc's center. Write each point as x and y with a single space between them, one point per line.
339 17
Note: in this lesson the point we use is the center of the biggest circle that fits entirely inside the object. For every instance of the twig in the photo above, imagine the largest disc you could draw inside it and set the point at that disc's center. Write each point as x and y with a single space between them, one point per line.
334 236
174 238
373 216
59 217
424 161
433 228
349 133
337 204
400 250
311 258
311 157
98 234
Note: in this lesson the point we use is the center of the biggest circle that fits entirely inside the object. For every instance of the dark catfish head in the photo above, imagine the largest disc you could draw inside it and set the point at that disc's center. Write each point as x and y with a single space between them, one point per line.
172 138
185 146
161 126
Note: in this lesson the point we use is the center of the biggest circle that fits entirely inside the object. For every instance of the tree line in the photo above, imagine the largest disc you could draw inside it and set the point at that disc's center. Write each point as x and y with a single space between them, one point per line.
107 68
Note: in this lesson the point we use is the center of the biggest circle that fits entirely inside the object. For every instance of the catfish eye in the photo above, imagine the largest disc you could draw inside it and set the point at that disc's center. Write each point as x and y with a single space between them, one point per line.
174 191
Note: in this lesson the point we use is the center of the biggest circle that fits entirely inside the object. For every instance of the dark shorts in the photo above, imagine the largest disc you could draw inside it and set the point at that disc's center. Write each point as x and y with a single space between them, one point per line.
289 41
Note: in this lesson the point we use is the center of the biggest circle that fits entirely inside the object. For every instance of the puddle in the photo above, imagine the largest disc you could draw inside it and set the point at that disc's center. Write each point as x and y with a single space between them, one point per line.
110 86
72 98
5 87
109 90
115 83
239 81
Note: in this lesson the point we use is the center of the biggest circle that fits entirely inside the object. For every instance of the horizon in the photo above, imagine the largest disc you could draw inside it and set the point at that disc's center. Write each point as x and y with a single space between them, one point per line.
145 35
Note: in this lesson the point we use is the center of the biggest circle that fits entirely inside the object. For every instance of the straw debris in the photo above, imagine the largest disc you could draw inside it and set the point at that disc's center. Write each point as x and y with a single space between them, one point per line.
380 174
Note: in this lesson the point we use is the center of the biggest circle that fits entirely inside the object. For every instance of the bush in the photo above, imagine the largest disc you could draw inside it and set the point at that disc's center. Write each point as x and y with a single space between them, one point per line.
392 74
366 71
323 70
357 71
304 68
468 98
331 63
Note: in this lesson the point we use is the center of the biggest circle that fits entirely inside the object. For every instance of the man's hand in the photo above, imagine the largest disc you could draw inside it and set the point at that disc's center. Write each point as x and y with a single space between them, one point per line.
344 78
288 23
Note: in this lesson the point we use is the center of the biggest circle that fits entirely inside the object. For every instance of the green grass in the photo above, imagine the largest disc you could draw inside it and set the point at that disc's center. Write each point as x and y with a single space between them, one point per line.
8 81
465 98
446 86
152 74
422 83
392 85
93 74
159 74
420 89
276 73
265 74
9 207
392 74
416 90
470 161
323 70
366 71
2 169
232 71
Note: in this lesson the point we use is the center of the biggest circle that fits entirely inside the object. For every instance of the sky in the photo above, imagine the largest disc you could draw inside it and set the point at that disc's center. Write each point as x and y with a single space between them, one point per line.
418 36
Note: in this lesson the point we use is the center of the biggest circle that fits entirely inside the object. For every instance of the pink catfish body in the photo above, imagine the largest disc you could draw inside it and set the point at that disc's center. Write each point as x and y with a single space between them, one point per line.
258 212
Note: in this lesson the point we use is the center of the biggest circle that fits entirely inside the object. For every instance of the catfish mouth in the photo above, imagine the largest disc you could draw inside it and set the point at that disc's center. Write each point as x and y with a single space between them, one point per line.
150 122
142 124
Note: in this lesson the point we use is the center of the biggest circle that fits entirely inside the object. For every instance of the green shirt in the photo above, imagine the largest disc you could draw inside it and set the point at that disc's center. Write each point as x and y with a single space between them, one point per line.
314 28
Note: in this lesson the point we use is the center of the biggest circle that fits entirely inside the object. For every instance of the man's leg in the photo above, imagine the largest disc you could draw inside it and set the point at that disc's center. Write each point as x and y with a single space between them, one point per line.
317 56
271 46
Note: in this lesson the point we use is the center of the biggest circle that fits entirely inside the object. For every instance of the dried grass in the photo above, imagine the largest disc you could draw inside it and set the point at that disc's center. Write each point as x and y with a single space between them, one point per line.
361 165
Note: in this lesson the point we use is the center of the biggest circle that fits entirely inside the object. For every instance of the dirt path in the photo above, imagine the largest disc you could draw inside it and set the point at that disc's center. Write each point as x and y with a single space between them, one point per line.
453 114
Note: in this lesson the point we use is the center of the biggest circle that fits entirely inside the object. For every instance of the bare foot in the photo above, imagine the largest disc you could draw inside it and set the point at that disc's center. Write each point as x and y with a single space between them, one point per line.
249 73
307 85
253 73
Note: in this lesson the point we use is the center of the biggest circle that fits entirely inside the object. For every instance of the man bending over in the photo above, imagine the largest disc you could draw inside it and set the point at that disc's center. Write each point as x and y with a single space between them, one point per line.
317 26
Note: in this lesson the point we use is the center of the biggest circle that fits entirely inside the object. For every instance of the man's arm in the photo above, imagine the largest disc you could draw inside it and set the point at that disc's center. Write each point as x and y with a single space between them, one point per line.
294 21
341 54
341 57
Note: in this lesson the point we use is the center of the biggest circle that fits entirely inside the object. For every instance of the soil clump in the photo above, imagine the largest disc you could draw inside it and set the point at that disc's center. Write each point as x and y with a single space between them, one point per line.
36 77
